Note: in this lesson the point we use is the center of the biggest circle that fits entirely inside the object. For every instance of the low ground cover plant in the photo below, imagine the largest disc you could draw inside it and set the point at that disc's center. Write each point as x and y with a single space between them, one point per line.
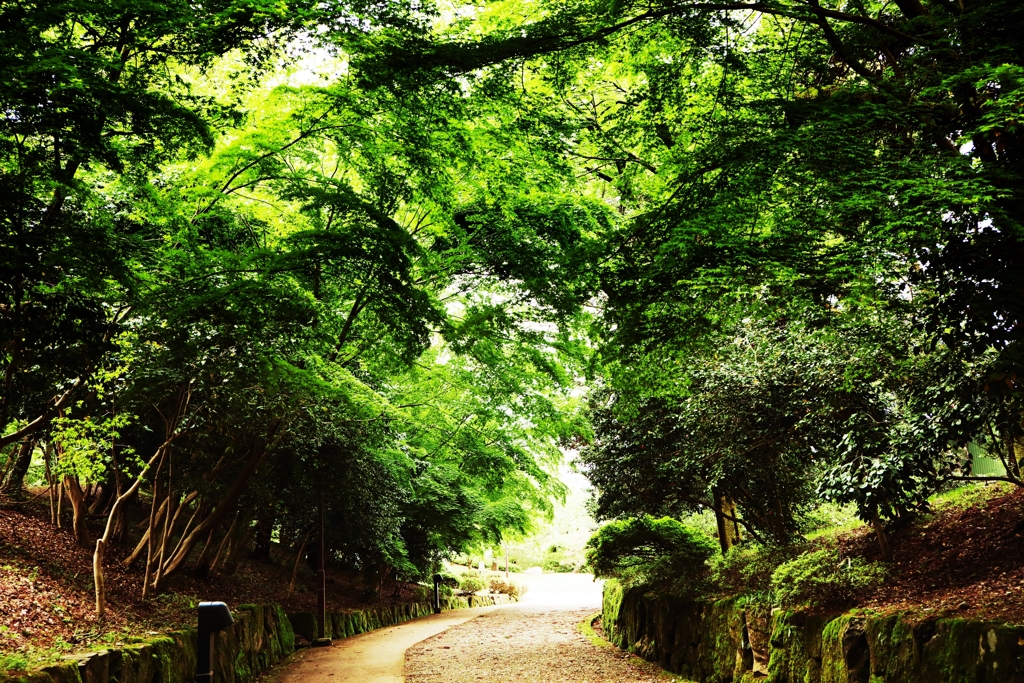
823 577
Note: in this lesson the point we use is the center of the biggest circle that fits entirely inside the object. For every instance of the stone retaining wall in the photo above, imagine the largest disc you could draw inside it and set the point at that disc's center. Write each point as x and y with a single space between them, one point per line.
261 636
741 641
347 624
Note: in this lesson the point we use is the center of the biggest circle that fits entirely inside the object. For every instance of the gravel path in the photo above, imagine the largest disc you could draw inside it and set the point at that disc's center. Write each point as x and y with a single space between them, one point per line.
523 644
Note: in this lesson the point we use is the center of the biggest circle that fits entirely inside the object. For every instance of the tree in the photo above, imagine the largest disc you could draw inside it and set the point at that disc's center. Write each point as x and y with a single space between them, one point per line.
794 159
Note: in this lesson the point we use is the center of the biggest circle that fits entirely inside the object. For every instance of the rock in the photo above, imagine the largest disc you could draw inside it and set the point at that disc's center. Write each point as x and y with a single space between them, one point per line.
93 667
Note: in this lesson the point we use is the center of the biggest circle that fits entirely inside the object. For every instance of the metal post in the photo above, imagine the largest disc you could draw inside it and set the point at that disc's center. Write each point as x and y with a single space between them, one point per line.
213 617
321 588
321 581
437 593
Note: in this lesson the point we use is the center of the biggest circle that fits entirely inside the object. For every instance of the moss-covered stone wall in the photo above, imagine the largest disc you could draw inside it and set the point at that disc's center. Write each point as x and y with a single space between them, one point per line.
742 640
261 636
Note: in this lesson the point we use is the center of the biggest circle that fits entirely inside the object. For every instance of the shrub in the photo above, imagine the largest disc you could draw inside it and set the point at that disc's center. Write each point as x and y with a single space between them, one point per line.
748 569
554 565
471 583
822 577
649 551
513 590
449 579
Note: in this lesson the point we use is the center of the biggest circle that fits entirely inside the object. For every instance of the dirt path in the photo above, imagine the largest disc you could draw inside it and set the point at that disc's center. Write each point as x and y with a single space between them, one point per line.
534 641
525 644
375 657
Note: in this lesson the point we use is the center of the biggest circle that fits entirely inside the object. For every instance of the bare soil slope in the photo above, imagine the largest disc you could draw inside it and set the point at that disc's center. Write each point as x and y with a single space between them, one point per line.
47 600
966 559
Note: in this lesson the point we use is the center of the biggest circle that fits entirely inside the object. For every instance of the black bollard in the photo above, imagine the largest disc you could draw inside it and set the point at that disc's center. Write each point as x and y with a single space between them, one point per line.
437 593
321 589
213 617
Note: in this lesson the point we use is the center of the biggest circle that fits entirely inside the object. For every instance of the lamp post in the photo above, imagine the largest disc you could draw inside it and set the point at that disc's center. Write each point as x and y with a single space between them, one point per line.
321 587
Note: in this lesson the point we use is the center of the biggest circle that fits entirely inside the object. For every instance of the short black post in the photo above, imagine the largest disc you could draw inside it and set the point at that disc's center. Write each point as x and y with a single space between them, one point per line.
213 618
321 582
321 588
437 593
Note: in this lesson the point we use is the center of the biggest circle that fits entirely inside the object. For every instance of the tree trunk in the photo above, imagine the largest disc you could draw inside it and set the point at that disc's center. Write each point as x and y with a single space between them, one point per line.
101 544
15 478
98 579
78 511
224 542
1011 455
151 530
60 501
51 480
883 542
728 529
221 510
203 562
234 552
143 542
298 558
264 531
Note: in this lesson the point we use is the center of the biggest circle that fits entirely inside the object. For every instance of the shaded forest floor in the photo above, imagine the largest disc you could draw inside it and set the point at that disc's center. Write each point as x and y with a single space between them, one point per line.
964 559
47 603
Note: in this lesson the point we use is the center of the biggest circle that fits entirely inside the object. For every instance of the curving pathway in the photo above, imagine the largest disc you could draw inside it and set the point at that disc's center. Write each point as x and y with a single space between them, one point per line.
534 641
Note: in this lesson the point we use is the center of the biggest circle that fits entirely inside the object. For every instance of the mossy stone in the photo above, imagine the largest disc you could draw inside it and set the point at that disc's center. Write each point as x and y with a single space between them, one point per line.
65 672
285 632
796 647
27 677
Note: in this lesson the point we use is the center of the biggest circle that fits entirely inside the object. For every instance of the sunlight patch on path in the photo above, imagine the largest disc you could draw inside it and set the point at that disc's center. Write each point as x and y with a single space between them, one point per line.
375 657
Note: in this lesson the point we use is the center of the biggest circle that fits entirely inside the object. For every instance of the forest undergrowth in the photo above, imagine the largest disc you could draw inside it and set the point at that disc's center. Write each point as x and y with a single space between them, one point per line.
47 600
961 558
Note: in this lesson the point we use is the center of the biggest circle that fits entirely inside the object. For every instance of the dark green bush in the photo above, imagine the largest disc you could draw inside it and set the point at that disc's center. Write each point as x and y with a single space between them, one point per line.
822 577
651 552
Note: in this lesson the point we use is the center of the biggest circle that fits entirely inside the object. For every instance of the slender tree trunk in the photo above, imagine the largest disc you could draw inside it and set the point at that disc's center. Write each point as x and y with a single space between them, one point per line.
60 501
233 554
143 542
183 505
15 478
78 510
728 529
883 542
52 481
1011 455
224 543
101 544
203 562
298 558
150 532
221 510
99 580
165 536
